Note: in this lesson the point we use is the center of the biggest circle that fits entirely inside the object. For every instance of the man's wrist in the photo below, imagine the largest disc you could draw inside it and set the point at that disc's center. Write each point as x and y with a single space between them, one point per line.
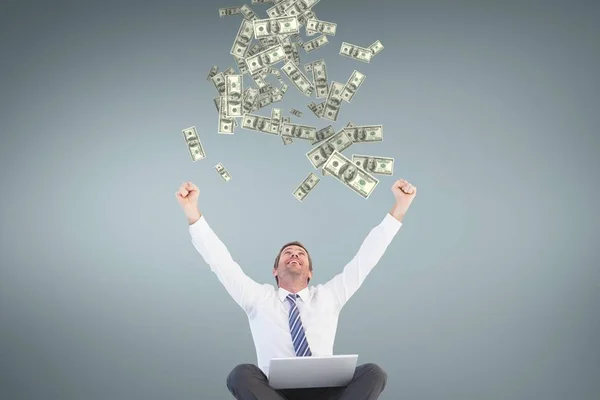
193 216
397 212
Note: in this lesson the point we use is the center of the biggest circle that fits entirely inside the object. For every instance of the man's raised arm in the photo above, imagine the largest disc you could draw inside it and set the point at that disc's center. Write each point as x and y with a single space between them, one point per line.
245 291
346 283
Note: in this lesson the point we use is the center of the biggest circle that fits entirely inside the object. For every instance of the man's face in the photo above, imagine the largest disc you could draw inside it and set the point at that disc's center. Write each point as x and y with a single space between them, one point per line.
350 173
328 149
263 61
293 262
274 27
260 124
371 164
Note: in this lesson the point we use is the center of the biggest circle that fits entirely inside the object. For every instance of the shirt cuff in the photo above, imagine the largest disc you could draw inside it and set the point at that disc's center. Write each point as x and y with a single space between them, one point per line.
391 224
199 227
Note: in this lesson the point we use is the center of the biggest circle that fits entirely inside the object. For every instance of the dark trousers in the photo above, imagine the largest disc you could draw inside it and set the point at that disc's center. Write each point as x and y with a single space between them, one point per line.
248 382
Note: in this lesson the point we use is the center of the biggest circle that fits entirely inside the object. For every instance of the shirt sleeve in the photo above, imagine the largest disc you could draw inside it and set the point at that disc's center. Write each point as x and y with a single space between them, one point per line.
346 283
245 291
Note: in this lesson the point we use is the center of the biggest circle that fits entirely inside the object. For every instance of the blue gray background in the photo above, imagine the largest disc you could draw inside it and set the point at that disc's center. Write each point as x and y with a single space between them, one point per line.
489 291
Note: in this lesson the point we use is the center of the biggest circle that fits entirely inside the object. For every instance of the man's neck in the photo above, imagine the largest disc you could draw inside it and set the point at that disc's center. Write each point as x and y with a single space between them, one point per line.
292 287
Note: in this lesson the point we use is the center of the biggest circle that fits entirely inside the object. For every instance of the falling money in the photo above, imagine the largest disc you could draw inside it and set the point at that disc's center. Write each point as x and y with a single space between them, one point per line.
351 175
296 112
376 48
269 49
356 52
365 133
319 70
374 164
354 82
193 143
275 26
223 172
306 186
327 28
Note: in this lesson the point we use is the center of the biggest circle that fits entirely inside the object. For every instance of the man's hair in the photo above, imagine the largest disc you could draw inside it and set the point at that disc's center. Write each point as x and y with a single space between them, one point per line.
294 243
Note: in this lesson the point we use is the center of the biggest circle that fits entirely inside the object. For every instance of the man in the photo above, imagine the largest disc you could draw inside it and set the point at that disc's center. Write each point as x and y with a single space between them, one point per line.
295 319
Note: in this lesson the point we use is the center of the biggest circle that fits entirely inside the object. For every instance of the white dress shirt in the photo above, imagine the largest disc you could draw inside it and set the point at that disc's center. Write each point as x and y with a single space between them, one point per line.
266 306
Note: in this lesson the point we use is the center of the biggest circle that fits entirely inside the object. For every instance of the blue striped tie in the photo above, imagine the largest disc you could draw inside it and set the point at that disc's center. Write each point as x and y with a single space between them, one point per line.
298 336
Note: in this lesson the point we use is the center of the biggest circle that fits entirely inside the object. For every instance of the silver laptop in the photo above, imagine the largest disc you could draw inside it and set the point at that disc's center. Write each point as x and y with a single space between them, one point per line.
313 371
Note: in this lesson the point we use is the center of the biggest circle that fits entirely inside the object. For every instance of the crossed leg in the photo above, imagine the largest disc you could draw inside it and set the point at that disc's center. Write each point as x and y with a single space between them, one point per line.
248 382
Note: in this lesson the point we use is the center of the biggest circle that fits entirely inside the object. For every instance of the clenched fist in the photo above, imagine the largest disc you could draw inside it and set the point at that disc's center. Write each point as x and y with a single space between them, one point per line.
187 197
404 193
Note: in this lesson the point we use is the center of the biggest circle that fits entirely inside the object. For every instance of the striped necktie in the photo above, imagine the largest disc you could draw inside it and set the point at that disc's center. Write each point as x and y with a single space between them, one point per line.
296 328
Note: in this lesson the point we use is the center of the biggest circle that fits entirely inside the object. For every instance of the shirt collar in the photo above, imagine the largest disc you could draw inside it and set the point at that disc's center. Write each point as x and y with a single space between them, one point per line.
304 294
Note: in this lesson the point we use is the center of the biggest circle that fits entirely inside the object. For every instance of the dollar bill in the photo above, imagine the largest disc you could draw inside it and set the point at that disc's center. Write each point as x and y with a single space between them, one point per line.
248 13
365 133
213 71
298 78
217 101
223 172
296 112
223 12
271 97
233 93
229 71
306 186
309 65
319 70
356 52
376 48
288 48
304 18
257 123
219 81
265 58
296 53
352 176
254 48
242 39
319 154
350 124
276 26
323 134
279 9
225 122
286 139
273 71
374 164
354 82
262 1
317 109
249 99
333 102
268 41
300 6
193 143
283 88
327 28
276 120
241 64
265 89
315 43
259 80
298 131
